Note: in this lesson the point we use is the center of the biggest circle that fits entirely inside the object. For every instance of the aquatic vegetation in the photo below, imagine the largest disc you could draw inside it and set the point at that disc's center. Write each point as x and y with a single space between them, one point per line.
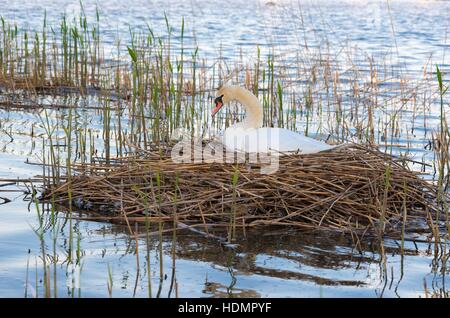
101 111
350 189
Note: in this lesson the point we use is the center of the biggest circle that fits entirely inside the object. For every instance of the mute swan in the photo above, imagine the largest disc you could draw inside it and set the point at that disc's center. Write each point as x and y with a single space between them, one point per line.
249 135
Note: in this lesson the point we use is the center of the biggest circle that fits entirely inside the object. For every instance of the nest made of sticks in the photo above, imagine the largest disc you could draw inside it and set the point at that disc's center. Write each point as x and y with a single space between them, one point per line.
351 188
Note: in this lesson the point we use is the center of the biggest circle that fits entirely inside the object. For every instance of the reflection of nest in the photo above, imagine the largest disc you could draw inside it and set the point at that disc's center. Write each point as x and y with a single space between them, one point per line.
350 189
278 253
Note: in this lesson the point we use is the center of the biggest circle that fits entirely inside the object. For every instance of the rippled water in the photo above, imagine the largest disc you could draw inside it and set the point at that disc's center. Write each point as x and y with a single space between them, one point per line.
271 263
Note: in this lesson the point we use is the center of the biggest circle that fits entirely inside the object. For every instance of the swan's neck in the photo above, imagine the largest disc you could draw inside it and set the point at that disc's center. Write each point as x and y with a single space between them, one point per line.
253 108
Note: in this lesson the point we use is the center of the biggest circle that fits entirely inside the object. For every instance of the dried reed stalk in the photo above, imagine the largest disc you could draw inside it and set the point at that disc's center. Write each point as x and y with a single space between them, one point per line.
350 189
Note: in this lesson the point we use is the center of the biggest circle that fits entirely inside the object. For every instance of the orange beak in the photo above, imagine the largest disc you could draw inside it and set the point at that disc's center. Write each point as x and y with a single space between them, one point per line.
219 103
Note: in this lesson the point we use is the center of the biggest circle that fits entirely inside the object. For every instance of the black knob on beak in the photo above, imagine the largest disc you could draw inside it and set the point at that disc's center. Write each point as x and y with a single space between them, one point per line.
218 100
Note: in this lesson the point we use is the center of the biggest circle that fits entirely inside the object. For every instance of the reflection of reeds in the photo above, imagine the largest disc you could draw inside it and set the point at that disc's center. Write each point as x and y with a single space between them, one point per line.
144 96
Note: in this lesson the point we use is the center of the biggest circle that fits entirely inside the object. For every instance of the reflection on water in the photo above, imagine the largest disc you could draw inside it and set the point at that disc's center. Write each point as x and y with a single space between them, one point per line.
82 259
270 262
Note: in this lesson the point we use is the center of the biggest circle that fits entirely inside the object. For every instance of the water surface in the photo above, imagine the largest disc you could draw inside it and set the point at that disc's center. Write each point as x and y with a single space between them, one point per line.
407 35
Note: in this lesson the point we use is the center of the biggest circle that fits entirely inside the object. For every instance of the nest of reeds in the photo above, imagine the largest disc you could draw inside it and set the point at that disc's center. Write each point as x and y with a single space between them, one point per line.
351 189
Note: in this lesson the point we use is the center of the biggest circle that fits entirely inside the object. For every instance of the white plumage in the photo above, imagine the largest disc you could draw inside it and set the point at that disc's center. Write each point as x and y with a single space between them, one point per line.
250 136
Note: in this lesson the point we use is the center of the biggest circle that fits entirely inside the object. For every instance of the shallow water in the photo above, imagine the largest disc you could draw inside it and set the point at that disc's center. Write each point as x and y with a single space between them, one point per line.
275 263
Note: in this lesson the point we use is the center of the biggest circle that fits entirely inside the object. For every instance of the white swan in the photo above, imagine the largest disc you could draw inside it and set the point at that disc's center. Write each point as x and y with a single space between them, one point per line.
250 136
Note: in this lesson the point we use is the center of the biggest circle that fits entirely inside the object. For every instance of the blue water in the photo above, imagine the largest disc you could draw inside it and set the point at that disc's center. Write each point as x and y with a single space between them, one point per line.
409 36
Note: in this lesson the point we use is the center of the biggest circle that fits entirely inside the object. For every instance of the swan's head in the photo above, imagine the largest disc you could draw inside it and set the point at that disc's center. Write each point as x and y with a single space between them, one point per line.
224 95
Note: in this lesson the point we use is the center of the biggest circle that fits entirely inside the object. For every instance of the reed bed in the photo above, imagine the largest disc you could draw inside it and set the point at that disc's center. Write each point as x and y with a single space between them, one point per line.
350 188
152 86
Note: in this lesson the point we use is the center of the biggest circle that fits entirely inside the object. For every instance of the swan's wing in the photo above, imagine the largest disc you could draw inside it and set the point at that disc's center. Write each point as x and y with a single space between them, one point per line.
271 140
